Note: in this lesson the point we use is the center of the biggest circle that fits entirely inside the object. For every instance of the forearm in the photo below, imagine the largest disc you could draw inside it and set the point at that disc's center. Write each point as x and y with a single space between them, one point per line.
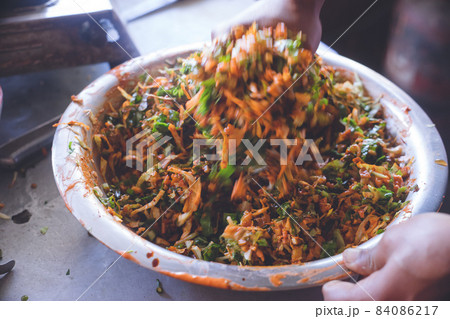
309 5
297 15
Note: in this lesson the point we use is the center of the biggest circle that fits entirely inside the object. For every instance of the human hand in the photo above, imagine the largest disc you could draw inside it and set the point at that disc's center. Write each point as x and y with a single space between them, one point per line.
297 15
411 262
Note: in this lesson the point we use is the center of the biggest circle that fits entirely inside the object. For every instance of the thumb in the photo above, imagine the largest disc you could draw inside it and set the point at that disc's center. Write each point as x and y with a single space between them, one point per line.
364 261
342 290
387 283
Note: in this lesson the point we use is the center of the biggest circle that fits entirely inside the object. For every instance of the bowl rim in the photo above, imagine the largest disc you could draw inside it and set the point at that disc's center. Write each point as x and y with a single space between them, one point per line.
77 190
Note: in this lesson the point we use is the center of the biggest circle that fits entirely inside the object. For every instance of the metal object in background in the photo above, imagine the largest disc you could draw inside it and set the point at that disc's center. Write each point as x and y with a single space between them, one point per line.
145 7
30 101
38 35
20 6
75 182
23 148
62 35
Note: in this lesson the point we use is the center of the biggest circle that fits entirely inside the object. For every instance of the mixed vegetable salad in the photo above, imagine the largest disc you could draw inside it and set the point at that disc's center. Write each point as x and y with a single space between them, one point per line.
251 85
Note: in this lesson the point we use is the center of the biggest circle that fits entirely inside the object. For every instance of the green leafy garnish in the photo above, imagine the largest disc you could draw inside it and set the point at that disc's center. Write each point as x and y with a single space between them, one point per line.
211 252
330 247
159 288
44 230
71 149
283 210
205 99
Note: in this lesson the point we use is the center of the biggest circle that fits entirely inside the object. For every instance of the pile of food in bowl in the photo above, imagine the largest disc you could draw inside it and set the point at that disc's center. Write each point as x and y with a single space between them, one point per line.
295 163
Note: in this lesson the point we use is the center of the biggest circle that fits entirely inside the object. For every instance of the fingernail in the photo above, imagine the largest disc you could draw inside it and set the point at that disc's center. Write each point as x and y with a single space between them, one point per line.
351 255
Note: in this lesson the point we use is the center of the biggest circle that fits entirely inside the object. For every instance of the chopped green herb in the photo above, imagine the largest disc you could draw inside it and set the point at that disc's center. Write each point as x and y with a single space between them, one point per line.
329 249
210 252
160 127
44 230
159 288
71 149
200 241
371 151
205 222
283 210
205 99
262 242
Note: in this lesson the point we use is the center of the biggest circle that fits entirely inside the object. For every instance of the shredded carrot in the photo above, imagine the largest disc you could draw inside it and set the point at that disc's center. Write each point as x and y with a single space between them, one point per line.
73 123
183 87
195 99
75 99
177 137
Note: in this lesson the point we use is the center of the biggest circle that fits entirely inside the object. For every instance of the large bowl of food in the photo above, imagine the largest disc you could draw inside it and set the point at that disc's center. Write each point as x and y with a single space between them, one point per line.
248 163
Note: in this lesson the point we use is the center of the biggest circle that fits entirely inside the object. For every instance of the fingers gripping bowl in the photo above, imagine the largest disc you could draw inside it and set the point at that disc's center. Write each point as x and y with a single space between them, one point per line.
78 176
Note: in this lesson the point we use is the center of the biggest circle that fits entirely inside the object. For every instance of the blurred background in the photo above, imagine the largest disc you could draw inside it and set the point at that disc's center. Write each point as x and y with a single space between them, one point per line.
51 49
